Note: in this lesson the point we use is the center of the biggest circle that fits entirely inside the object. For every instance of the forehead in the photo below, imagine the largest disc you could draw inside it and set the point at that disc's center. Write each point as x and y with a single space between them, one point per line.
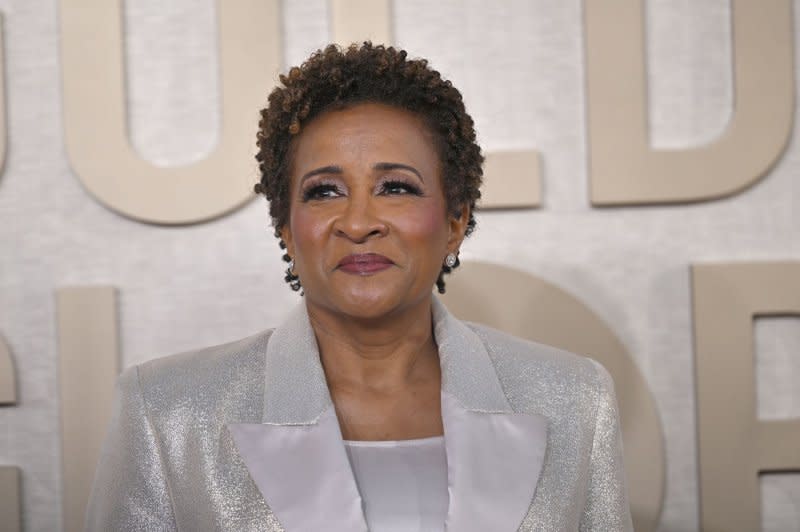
364 134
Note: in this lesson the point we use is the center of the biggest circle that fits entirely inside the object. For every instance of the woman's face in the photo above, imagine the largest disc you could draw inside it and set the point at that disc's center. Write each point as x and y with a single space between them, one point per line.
368 226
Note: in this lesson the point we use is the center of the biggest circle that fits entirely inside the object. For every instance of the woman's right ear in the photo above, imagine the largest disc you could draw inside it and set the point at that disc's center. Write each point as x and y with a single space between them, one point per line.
286 237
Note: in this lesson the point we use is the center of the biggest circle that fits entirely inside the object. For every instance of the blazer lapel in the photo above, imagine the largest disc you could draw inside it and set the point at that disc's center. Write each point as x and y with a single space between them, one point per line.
494 455
296 455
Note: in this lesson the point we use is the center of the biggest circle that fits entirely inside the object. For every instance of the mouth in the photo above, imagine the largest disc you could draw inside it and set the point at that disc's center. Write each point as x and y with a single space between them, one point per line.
364 263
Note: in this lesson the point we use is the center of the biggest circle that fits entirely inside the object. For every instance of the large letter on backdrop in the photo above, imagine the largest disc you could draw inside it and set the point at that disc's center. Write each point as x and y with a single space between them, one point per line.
361 20
734 445
10 516
3 133
95 114
512 179
8 388
624 169
89 364
526 306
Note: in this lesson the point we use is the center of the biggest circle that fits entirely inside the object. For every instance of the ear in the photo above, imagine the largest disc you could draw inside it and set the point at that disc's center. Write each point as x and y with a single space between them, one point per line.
458 228
286 236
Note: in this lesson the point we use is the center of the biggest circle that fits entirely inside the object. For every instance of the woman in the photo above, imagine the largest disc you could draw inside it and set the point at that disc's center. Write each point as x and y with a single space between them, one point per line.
371 407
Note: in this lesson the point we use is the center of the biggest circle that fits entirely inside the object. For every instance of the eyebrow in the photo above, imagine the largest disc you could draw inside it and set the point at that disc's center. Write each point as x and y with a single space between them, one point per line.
398 166
335 169
330 169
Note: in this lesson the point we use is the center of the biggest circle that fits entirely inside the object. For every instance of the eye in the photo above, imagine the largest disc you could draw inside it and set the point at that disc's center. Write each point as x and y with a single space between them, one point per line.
321 191
394 187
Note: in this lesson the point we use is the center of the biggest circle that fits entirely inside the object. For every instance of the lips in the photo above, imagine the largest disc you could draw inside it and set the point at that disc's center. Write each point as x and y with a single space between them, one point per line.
364 263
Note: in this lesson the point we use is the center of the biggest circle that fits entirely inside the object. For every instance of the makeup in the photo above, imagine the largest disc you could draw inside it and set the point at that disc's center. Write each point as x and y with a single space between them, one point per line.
364 264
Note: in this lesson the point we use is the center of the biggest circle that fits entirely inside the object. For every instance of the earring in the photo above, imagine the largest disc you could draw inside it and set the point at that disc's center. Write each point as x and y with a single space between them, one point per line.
450 260
292 278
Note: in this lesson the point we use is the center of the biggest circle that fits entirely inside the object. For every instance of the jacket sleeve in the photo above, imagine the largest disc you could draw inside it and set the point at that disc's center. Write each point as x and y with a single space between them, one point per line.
607 499
130 490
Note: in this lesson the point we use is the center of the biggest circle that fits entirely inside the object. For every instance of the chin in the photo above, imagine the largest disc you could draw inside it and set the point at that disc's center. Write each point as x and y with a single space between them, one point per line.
370 303
373 300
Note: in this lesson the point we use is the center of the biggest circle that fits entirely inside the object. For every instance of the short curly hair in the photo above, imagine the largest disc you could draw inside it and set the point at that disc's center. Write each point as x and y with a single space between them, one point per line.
335 78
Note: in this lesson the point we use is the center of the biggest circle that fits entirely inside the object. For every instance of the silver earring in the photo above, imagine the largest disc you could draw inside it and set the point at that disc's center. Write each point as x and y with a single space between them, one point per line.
450 260
292 278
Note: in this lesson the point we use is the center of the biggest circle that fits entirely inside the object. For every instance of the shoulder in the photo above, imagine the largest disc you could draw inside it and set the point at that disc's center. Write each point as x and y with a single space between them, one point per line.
511 353
202 376
540 376
207 362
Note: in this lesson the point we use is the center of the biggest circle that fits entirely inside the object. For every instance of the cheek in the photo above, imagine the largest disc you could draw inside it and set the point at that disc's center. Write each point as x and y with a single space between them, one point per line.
307 229
428 226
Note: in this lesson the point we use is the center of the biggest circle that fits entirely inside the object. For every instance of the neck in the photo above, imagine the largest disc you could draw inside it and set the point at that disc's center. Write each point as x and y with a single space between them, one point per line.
382 354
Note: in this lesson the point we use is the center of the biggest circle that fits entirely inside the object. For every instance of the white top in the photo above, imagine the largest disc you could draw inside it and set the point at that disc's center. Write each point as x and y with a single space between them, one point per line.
403 484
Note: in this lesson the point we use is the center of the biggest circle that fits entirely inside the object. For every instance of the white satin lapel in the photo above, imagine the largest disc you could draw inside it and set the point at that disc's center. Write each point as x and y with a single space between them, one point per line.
297 459
303 473
494 455
493 465
296 455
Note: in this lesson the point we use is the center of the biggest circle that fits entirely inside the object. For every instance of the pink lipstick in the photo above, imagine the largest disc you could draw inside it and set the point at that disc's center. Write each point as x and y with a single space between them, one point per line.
364 263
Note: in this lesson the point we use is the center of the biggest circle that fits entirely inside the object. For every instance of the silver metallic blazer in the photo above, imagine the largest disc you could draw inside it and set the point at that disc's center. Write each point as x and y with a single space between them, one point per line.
243 436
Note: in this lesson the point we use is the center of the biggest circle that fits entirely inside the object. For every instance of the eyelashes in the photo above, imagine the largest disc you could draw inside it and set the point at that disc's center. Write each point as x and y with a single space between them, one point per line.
321 190
392 187
325 189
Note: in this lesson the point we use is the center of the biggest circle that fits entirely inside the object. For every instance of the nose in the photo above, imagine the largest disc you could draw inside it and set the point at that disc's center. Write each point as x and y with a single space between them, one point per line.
360 220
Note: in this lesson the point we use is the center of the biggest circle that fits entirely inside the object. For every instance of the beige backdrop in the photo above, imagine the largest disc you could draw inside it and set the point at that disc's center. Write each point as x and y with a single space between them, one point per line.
522 68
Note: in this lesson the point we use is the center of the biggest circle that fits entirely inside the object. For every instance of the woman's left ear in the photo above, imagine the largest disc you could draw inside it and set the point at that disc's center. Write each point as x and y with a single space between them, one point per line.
458 228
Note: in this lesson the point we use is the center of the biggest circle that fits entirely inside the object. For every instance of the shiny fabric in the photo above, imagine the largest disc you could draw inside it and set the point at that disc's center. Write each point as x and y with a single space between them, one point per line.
297 459
227 438
403 483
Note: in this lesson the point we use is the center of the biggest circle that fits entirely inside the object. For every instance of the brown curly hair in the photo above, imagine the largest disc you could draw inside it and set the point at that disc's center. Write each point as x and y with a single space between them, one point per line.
335 78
